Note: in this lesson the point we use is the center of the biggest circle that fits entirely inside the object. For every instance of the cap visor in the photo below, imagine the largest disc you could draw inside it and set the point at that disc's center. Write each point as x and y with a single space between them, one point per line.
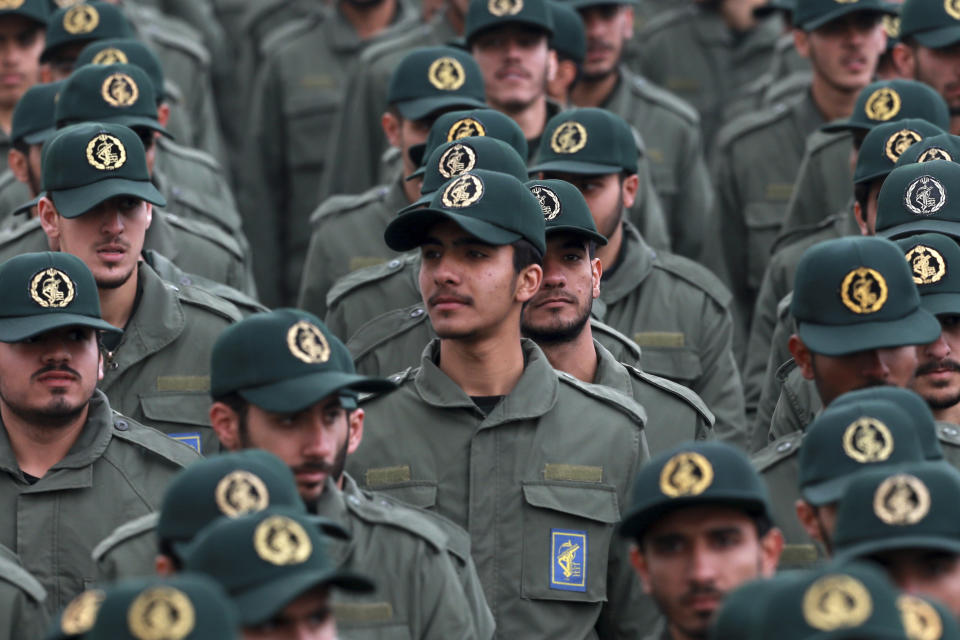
869 547
416 154
262 602
579 4
938 38
17 329
422 107
72 203
296 394
573 166
593 235
918 327
843 10
39 137
826 492
409 230
416 204
28 205
845 124
941 303
635 524
925 225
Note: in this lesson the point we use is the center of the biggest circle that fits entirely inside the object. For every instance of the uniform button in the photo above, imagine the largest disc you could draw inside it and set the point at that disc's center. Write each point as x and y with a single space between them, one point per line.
354 499
416 313
121 425
114 365
393 264
950 431
784 446
186 281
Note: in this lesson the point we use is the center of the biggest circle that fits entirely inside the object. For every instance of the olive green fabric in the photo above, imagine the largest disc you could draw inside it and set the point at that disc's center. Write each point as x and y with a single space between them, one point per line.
940 147
552 477
586 141
916 198
882 148
810 15
21 600
933 258
569 37
33 120
930 23
114 93
117 469
483 15
434 78
777 465
173 274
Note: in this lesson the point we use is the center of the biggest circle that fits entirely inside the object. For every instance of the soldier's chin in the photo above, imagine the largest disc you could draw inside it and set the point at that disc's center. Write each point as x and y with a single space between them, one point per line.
113 281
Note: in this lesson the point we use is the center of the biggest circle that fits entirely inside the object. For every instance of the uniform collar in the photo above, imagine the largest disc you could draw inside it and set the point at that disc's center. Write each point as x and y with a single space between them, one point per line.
611 373
333 506
635 264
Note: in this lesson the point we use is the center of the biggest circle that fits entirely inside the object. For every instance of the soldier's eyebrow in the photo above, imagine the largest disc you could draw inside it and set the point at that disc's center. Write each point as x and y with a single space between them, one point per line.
471 241
575 243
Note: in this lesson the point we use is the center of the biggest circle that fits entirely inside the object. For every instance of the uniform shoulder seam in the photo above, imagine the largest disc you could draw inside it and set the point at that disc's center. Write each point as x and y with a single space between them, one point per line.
16 575
278 37
780 449
669 386
607 396
400 517
124 532
199 297
665 100
156 442
666 19
750 122
167 37
361 277
344 203
696 275
206 231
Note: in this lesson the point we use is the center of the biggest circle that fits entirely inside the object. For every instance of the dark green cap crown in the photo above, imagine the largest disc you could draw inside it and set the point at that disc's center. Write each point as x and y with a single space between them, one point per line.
771 6
587 141
46 291
939 147
266 560
86 164
935 261
35 10
932 23
84 22
741 614
927 619
474 123
116 93
488 14
185 607
435 78
917 198
891 100
855 294
564 209
884 145
569 37
696 473
813 14
33 117
125 51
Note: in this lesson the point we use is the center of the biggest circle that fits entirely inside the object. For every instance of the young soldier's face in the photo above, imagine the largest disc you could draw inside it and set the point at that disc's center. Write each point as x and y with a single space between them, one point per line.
836 375
516 62
608 27
21 42
309 617
938 372
940 68
928 572
844 52
605 195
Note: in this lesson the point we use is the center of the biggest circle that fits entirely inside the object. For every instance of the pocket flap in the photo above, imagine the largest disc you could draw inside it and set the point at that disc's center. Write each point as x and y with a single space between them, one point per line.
595 502
418 494
185 408
674 363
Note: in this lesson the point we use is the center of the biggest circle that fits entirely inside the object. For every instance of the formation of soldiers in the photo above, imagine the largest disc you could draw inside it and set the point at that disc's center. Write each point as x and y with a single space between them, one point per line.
519 319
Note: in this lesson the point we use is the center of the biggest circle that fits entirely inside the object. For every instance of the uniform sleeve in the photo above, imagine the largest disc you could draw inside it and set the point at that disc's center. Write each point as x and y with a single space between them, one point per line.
758 346
785 419
443 608
316 279
647 212
694 199
25 619
809 203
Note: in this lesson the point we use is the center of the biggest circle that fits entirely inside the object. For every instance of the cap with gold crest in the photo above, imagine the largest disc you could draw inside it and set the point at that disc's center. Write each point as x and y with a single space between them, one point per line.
813 14
944 146
693 474
910 507
284 361
434 78
931 23
86 164
115 94
927 619
47 291
125 51
36 10
266 560
918 198
587 141
857 293
889 100
84 22
77 618
741 614
569 37
935 261
473 123
489 14
33 117
851 436
564 209
885 144
182 607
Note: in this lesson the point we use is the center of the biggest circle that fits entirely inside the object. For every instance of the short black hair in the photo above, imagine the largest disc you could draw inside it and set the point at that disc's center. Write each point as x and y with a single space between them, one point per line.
525 254
761 522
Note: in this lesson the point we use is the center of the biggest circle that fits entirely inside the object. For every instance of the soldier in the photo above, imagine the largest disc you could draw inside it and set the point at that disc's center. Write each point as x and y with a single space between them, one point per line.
700 524
670 127
282 382
22 29
569 41
481 241
741 613
33 123
347 231
667 304
66 452
21 600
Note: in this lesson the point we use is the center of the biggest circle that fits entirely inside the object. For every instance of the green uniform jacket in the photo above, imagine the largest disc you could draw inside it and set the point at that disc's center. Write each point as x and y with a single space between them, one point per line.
117 469
824 182
539 494
788 73
798 404
177 276
294 103
22 616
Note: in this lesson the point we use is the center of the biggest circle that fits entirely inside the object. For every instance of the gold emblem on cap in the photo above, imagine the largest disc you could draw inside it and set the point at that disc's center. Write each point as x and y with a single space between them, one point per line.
901 500
864 290
686 474
925 196
161 613
935 153
927 264
446 74
11 4
466 128
282 541
241 492
462 192
52 288
891 24
119 90
110 55
868 440
569 137
953 8
836 602
883 104
549 201
505 7
920 620
307 343
456 160
900 142
78 617
82 18
63 4
106 153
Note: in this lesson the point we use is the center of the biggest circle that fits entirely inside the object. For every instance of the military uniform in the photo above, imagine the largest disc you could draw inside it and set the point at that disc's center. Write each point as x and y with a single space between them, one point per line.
789 73
21 600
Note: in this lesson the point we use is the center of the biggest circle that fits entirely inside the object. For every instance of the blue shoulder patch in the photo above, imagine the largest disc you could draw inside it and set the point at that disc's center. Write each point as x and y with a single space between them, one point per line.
568 566
189 439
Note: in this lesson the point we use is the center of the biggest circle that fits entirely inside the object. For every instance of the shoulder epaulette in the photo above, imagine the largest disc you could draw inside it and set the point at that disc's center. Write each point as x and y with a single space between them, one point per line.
778 450
697 275
397 378
189 153
16 575
7 178
227 217
787 88
626 343
785 369
384 328
663 98
751 121
347 202
666 19
948 432
15 233
684 393
356 279
607 396
394 514
156 442
783 307
457 538
284 33
207 231
125 532
399 43
197 296
172 93
797 234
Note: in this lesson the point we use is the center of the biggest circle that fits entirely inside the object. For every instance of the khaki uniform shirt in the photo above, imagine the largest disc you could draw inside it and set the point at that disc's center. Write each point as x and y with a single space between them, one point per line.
22 616
824 182
117 469
539 494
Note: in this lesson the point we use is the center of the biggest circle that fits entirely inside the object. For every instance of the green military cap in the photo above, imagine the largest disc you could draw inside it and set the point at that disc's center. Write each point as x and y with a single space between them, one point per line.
587 141
35 10
569 37
84 22
885 143
434 78
564 209
266 560
940 147
86 164
33 119
850 436
741 614
582 4
492 206
692 474
813 14
46 291
935 261
907 400
917 198
925 619
771 6
912 506
896 99
932 23
857 293
452 159
182 607
284 361
77 618
489 14
125 51
115 94
475 123
852 600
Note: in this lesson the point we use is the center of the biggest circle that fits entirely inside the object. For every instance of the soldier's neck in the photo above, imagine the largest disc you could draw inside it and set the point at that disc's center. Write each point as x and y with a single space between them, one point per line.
487 366
532 118
950 414
39 447
578 357
117 304
832 102
369 19
609 253
594 92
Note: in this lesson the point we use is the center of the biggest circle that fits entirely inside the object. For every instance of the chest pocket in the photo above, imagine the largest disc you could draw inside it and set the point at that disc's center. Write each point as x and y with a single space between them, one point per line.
183 416
680 364
369 621
763 219
310 114
567 531
417 494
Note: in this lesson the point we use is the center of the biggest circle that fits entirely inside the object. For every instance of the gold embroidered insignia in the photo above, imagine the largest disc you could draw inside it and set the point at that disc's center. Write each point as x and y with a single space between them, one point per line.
241 492
307 343
52 288
836 602
868 440
686 474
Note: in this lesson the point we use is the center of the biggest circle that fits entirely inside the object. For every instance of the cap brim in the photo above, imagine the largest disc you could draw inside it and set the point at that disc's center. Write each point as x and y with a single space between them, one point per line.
408 231
265 600
870 547
39 137
941 303
843 10
918 327
635 524
505 21
845 124
418 172
17 329
72 203
923 225
573 166
29 204
127 121
295 394
826 492
422 201
938 38
422 107
580 231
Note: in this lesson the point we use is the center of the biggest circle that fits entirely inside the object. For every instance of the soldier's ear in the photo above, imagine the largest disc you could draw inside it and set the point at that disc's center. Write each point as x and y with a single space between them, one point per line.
631 185
17 162
597 268
391 128
904 60
771 546
802 356
149 214
528 282
163 114
552 65
801 42
640 566
354 430
49 219
628 21
226 424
